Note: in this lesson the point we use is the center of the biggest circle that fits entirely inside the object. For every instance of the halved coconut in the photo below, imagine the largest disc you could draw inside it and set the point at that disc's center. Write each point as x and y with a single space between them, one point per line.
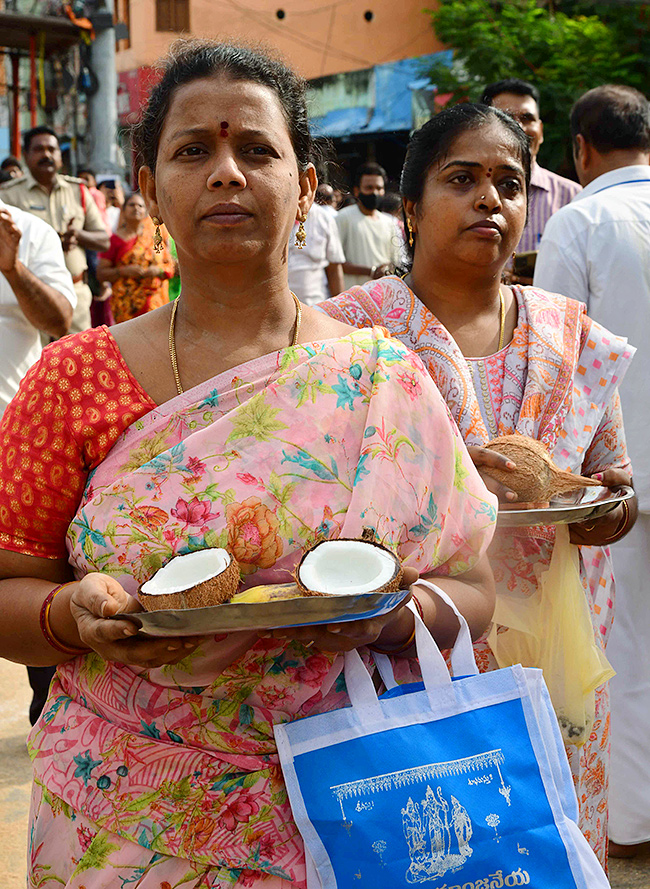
195 580
347 567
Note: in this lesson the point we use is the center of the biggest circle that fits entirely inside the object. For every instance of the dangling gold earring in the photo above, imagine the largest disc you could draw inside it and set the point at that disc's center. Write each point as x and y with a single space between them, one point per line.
157 237
301 234
409 225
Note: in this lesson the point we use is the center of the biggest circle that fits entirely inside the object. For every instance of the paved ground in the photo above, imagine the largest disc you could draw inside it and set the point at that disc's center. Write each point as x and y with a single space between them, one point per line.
15 773
15 776
632 873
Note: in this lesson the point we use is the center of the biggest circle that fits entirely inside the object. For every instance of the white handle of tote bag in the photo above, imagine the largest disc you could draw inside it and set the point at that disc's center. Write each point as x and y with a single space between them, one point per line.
435 674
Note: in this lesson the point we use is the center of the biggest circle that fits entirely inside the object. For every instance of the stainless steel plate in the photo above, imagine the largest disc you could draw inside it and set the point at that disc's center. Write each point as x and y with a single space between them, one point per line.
264 615
578 506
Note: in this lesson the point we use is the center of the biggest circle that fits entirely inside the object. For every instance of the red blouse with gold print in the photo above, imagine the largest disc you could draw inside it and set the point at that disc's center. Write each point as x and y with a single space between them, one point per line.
71 407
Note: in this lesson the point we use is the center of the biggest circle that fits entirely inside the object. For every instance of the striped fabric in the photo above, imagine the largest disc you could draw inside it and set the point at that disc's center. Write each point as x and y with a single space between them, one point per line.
548 192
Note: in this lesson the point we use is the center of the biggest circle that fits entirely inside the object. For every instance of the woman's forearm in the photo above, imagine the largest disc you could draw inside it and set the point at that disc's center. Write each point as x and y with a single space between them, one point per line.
473 594
607 530
108 274
21 637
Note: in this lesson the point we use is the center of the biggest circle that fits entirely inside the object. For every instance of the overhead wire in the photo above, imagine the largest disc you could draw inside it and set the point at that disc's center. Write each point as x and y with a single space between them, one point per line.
328 39
314 43
310 43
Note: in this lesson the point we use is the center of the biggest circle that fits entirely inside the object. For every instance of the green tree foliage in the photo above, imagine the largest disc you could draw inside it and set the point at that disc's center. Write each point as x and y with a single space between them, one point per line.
563 51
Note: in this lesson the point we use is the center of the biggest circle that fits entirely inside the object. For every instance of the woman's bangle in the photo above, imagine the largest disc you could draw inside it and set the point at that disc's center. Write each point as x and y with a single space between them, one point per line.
46 628
411 639
622 525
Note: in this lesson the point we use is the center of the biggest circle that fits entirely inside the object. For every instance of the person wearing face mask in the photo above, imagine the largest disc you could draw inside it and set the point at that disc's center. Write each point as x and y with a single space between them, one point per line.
371 240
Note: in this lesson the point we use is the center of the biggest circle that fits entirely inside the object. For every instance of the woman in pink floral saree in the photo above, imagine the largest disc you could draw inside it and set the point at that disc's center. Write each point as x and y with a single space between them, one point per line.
155 762
512 360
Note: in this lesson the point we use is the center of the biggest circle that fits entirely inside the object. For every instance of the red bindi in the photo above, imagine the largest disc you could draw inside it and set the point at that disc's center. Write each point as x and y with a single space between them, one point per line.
489 172
224 128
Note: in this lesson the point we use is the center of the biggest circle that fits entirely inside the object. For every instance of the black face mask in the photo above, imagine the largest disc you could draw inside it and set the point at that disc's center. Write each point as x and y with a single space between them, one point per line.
369 201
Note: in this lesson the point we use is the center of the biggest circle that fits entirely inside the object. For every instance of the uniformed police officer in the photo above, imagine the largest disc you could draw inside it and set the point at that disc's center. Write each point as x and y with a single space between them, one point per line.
66 204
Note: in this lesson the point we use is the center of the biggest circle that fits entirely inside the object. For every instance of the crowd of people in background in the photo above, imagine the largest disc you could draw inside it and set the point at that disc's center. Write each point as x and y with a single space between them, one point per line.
350 236
79 252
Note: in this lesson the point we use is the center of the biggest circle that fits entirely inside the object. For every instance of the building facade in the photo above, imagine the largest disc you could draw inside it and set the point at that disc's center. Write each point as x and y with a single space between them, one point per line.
316 38
366 63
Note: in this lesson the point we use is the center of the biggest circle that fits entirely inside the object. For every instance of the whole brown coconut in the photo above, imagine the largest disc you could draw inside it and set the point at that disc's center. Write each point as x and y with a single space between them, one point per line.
536 477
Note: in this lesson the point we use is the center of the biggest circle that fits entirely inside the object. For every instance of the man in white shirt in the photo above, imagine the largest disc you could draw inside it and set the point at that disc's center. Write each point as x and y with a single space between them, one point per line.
315 271
597 249
36 294
371 240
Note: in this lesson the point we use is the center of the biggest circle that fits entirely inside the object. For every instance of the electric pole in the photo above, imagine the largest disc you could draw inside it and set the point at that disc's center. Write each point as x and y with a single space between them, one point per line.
102 146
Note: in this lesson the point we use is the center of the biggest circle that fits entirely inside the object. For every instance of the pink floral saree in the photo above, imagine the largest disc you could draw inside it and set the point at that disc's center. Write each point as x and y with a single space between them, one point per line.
556 381
167 777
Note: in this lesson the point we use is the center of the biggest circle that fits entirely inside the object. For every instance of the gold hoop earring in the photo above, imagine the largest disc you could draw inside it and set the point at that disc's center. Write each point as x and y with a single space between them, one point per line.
157 236
301 234
409 225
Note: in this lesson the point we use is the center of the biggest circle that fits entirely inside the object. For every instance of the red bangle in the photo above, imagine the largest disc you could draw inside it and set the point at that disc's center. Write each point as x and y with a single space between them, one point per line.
46 629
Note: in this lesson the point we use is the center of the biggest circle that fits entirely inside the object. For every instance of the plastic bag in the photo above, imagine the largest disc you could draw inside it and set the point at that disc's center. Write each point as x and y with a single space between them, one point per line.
552 630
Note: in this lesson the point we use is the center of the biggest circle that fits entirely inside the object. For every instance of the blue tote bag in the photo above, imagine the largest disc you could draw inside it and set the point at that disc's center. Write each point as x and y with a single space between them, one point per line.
459 784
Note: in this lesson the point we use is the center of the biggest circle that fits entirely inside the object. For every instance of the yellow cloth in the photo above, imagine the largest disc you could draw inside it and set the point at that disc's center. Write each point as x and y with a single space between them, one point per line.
552 630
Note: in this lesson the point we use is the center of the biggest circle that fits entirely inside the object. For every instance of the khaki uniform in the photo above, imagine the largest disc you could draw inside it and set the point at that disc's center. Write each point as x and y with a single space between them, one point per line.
66 202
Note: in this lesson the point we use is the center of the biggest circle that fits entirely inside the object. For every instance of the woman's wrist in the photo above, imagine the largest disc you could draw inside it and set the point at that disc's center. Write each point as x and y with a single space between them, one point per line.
62 624
605 531
398 637
397 632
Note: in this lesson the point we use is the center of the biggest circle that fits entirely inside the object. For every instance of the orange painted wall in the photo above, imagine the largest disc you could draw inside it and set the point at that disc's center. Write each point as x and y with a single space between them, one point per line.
317 37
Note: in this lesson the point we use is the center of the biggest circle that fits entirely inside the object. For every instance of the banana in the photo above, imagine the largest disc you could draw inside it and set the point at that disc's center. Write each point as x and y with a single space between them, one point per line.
267 593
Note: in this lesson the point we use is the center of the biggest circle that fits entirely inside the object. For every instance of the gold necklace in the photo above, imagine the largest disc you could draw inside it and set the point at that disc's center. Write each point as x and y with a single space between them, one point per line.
502 319
172 338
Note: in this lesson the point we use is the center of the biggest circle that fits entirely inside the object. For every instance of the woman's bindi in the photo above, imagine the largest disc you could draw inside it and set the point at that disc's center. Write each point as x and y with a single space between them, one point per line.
224 129
489 173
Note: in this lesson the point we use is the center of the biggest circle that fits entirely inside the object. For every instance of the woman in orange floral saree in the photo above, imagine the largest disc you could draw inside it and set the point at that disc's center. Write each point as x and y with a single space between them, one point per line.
138 275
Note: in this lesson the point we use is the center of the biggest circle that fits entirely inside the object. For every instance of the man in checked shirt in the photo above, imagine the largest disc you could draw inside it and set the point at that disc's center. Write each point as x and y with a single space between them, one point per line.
548 191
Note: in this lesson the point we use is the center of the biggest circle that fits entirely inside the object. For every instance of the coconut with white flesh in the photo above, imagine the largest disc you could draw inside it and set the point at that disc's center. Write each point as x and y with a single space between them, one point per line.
195 580
348 568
